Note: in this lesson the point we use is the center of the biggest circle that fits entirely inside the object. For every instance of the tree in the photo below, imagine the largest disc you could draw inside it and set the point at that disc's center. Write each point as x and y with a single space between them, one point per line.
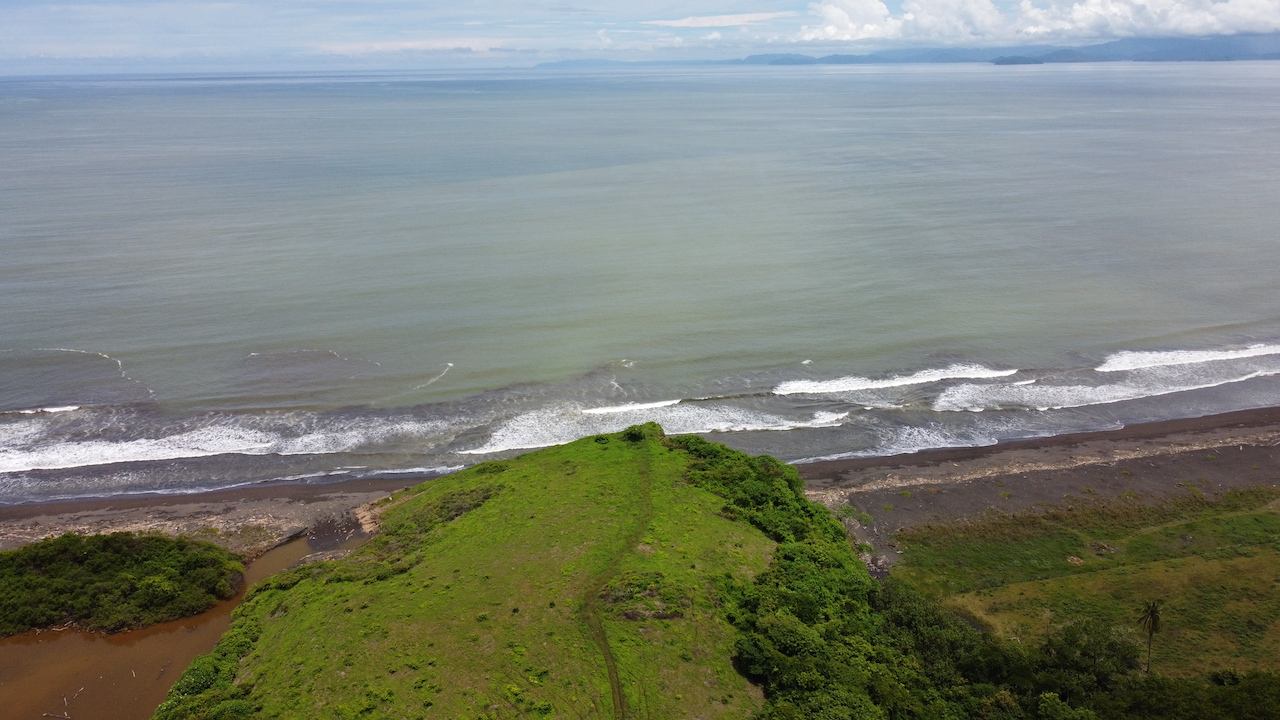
1150 621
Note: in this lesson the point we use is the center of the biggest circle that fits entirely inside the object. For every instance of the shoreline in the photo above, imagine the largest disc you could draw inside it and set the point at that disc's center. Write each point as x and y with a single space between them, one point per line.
1146 463
956 483
248 520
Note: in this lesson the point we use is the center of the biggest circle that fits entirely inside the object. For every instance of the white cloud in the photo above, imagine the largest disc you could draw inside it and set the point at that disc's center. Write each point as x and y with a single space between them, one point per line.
706 21
488 31
968 21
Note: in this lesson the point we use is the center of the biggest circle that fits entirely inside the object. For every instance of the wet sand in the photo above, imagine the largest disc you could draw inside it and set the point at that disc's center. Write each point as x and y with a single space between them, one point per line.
1143 462
247 520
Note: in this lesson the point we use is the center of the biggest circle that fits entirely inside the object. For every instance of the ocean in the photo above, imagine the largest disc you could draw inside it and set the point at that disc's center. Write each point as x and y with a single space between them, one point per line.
210 281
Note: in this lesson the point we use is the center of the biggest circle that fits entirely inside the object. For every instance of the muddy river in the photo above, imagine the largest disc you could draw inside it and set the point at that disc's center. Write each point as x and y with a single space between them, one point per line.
89 676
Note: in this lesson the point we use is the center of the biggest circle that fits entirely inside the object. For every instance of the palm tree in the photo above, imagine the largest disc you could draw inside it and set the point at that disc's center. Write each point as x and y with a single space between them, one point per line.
1150 621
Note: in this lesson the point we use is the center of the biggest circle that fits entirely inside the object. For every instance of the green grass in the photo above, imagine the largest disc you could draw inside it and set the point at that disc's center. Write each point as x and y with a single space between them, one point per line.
483 595
1219 613
1215 563
111 582
999 549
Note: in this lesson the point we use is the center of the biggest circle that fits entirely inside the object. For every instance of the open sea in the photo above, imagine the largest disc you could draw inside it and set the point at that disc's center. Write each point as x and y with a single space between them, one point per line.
212 281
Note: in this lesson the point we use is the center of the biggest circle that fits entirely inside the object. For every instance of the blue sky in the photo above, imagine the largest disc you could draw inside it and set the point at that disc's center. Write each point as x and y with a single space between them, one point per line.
508 32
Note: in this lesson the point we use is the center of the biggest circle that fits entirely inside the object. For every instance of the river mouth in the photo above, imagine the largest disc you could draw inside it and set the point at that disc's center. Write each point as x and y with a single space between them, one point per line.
90 676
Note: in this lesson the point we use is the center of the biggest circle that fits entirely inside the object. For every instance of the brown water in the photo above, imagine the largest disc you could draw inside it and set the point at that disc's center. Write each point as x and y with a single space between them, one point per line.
89 676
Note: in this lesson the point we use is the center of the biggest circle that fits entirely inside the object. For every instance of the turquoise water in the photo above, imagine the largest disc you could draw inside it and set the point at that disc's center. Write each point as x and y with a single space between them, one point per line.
209 281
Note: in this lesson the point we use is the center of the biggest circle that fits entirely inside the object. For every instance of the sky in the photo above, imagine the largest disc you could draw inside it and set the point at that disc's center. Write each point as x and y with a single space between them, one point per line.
524 32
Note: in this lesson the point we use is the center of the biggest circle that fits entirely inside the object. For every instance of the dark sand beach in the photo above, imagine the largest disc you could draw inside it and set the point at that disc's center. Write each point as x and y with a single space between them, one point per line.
249 520
1145 462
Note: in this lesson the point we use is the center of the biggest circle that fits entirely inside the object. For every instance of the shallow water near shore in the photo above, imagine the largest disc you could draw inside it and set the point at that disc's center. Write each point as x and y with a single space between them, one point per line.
218 281
90 676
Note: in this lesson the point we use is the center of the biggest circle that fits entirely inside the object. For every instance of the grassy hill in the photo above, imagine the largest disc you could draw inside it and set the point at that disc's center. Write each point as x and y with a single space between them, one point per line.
578 581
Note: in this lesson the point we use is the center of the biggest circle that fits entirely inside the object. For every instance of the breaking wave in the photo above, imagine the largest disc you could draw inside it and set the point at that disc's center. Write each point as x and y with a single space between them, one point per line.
854 382
565 423
1138 360
35 446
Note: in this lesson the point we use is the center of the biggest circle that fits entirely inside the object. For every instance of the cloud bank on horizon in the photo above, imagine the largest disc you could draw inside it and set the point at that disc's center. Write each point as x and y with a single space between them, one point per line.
516 32
981 21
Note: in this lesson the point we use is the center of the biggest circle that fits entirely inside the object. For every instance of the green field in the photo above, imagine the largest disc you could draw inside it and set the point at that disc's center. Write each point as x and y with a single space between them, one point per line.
1215 564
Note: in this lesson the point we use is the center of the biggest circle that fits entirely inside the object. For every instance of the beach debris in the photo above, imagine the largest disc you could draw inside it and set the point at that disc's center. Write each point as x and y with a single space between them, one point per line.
60 717
1074 560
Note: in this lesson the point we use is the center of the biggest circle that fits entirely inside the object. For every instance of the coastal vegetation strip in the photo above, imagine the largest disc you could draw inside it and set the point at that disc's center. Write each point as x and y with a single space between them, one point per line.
997 549
1214 562
732 596
112 582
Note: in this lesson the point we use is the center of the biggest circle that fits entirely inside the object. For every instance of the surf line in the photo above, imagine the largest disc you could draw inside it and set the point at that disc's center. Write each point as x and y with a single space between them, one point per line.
591 598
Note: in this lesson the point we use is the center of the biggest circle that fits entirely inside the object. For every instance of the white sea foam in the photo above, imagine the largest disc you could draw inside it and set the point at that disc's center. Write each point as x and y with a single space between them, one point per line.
976 398
308 476
1137 360
29 446
565 423
910 440
17 434
629 407
198 443
433 470
58 409
854 382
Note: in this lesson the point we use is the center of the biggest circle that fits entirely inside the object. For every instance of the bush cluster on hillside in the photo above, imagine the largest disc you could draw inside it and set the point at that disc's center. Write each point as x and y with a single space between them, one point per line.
112 582
829 643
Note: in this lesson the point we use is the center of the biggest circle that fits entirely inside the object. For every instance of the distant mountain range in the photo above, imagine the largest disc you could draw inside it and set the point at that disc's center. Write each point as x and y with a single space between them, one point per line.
1214 48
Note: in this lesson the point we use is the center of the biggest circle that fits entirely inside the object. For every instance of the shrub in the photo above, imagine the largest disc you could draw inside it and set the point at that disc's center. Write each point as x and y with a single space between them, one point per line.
112 582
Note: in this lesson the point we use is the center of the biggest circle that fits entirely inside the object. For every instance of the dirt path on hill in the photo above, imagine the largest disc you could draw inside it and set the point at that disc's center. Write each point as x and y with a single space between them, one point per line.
591 599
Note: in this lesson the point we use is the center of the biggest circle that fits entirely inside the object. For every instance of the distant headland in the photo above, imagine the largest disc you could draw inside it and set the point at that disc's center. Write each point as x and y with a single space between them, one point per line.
1212 48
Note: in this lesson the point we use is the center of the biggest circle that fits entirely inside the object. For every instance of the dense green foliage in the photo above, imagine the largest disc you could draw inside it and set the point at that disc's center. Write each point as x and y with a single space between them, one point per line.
1083 670
112 582
1212 561
827 642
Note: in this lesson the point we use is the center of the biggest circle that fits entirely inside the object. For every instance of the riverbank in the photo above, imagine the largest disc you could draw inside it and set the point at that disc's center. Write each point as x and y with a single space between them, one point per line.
66 672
